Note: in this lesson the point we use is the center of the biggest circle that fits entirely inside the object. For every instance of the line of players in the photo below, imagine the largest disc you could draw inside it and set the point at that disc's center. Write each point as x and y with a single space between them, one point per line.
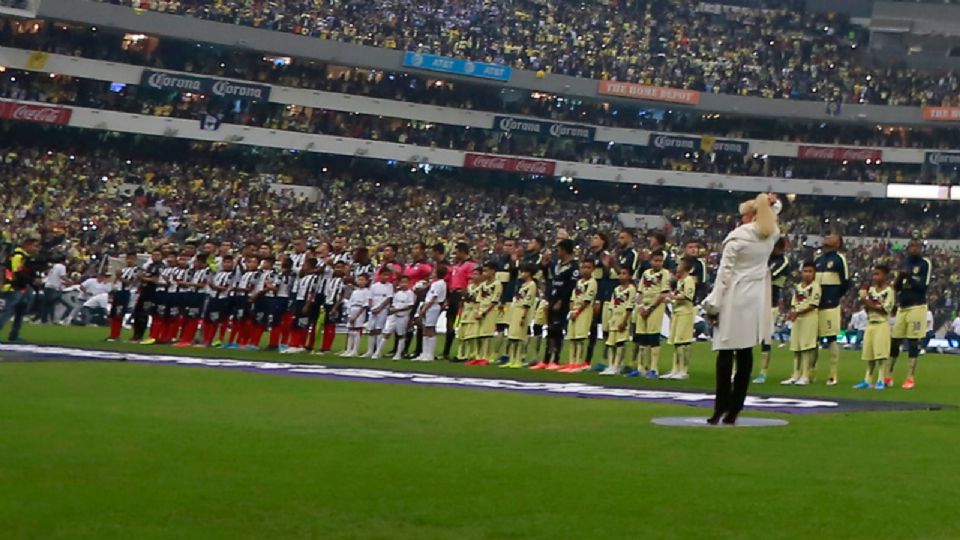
236 301
897 313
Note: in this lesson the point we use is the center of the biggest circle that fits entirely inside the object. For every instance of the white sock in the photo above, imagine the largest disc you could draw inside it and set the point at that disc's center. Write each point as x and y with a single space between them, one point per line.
429 345
353 341
372 346
400 344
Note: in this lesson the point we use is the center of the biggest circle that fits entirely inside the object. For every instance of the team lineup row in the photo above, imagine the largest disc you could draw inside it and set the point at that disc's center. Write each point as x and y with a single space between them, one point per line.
496 309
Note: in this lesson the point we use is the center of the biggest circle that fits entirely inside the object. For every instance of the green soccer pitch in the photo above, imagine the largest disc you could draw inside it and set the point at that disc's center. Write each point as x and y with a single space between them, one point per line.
119 450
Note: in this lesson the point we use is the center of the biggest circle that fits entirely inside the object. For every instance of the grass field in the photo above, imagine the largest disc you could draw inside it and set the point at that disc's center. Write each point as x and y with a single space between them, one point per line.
120 450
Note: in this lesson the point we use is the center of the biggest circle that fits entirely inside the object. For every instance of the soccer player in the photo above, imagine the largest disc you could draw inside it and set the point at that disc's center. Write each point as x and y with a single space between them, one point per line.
911 286
126 280
304 295
622 302
398 316
430 312
219 303
879 300
242 304
468 323
357 307
488 302
331 298
653 293
699 270
508 270
281 320
264 300
605 274
564 275
833 278
146 300
381 294
581 317
779 265
681 323
807 297
520 314
461 272
196 282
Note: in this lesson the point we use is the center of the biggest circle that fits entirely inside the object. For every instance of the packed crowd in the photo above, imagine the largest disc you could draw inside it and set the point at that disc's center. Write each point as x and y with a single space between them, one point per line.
135 99
776 51
246 65
139 193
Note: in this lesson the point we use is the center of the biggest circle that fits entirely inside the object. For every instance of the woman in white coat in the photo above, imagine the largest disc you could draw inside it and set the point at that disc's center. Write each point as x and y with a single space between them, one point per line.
740 302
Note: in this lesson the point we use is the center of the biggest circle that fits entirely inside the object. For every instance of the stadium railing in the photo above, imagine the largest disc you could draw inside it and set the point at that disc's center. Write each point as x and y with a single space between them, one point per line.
174 26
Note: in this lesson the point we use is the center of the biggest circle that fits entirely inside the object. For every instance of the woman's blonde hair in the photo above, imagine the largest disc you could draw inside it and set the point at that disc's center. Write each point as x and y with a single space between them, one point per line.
764 216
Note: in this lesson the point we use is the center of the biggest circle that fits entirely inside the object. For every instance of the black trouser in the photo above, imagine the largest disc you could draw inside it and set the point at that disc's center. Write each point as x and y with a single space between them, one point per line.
142 310
726 401
556 320
453 306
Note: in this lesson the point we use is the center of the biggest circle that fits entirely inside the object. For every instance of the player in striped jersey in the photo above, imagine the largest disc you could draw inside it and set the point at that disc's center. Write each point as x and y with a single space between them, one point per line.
177 294
219 306
331 299
264 298
196 283
241 304
299 254
161 316
126 281
281 321
304 298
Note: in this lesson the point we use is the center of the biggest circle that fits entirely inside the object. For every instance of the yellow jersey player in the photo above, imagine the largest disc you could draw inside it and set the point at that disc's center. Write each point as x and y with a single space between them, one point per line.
488 300
911 321
581 317
878 300
681 323
521 315
468 322
621 306
803 312
833 277
653 293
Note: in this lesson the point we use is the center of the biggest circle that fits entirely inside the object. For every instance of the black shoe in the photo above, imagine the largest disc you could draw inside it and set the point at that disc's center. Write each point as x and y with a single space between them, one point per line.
714 420
731 418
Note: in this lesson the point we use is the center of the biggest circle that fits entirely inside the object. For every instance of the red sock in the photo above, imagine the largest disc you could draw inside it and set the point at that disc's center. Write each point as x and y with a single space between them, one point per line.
235 330
275 333
189 330
246 332
209 332
173 329
329 333
299 337
115 327
282 330
156 329
256 334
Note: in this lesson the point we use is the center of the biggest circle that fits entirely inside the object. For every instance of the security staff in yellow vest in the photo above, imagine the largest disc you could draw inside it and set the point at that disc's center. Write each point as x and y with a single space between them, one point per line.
19 277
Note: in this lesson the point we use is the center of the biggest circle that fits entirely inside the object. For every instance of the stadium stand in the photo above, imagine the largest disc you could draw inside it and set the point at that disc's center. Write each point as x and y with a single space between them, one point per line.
780 51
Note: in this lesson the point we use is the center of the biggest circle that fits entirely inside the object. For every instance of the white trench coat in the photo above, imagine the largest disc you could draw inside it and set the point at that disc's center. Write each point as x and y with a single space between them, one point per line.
741 293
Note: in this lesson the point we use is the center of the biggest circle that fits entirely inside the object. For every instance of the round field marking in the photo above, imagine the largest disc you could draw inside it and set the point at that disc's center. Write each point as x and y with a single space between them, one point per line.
701 422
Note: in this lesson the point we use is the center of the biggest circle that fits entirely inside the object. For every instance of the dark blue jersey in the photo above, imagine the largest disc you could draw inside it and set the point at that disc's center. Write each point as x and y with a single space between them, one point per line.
833 277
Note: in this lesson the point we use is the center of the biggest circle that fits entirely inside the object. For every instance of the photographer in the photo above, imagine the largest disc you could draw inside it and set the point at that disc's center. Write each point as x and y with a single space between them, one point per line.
20 276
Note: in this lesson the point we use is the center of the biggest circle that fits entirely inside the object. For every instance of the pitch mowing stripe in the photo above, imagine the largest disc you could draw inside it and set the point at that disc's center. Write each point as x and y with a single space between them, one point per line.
790 405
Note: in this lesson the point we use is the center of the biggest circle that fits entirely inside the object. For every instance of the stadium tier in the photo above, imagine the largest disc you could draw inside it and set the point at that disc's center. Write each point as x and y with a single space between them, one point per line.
774 50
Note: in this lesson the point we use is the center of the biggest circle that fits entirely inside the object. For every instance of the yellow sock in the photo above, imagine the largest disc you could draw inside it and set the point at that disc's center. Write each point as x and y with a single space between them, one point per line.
881 370
765 362
687 353
834 359
655 358
798 366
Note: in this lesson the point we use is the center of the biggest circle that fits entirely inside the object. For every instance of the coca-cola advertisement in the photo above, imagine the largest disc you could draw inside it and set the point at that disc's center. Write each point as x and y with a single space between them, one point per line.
837 153
510 164
42 114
